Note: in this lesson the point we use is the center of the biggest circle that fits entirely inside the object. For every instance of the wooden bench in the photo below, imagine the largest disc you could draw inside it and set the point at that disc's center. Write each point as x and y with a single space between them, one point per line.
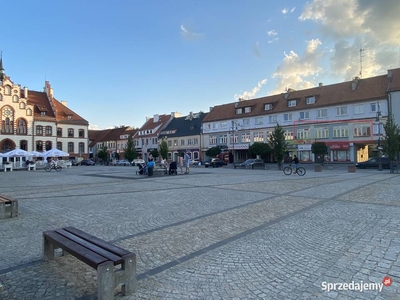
8 167
8 207
115 266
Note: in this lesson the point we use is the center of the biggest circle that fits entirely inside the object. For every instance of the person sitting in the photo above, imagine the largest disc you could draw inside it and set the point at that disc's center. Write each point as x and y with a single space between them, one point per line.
295 160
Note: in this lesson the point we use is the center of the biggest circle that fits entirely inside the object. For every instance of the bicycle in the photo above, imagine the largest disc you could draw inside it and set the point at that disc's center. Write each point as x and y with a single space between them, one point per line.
49 167
289 170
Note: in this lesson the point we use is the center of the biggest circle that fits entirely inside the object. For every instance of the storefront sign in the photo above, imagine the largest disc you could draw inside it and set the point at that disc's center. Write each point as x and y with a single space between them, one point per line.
338 145
305 147
239 147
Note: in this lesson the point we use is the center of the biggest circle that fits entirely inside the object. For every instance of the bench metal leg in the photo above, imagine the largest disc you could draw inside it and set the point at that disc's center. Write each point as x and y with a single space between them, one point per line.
105 281
2 210
48 249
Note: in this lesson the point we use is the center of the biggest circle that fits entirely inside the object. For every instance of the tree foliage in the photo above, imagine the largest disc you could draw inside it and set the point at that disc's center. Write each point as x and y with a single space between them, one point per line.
278 144
164 149
130 152
103 154
392 143
261 149
213 152
154 153
320 149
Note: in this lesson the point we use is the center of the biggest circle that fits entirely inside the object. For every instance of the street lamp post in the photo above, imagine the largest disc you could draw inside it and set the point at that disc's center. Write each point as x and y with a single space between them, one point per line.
232 131
378 115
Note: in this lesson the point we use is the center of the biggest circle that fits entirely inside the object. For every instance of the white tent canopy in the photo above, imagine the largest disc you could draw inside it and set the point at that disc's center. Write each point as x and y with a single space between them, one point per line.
16 153
36 154
55 153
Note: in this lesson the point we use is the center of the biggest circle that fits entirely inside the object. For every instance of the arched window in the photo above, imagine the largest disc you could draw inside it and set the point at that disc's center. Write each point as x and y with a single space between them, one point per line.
22 105
48 145
59 132
29 112
48 130
39 130
70 147
81 133
7 90
70 132
7 145
23 145
21 127
81 148
15 98
7 126
59 146
39 146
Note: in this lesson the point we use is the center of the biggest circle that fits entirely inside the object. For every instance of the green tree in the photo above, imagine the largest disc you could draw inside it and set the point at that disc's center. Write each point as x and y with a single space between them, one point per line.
154 153
164 149
278 144
320 149
103 154
129 150
261 149
392 143
214 151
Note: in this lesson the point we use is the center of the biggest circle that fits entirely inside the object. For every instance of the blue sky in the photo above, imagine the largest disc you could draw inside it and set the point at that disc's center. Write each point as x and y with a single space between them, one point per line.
116 62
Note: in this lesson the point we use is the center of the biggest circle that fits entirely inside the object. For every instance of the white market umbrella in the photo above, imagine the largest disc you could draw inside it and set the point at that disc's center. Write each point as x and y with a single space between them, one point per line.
16 153
36 154
54 153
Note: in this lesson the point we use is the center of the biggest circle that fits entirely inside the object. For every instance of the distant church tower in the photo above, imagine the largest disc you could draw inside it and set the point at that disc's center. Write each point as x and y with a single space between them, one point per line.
2 75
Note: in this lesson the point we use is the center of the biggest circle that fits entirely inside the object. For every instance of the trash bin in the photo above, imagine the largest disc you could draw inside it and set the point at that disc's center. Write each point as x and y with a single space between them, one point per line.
150 171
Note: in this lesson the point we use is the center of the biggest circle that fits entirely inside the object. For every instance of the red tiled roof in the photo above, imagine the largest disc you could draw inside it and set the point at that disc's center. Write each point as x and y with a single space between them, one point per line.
62 113
151 125
40 99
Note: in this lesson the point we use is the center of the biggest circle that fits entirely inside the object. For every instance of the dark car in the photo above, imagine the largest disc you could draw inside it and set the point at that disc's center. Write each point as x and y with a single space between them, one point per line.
87 162
74 162
374 163
252 163
214 162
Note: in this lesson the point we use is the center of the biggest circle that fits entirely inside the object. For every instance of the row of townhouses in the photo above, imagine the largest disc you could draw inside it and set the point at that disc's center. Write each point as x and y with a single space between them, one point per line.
36 121
347 116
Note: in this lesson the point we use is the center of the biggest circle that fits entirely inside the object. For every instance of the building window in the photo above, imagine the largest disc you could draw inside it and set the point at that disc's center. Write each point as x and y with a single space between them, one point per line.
70 132
215 126
195 141
23 145
340 131
310 100
246 122
169 143
288 135
321 133
238 111
42 113
22 105
59 146
374 107
213 139
304 115
175 143
189 142
259 120
7 126
81 148
362 130
341 111
48 145
59 132
48 130
358 109
233 139
29 112
247 109
7 90
70 147
224 125
268 106
287 117
303 134
322 113
22 128
207 126
378 129
245 137
39 146
258 136
182 142
39 130
15 98
223 139
272 119
292 103
81 133
341 155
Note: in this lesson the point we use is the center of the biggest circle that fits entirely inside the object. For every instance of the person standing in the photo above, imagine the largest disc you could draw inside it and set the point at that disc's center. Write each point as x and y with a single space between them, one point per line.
180 161
187 162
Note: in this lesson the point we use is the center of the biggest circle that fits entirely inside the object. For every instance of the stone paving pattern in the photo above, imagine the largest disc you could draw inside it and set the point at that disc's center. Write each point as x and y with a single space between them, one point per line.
213 234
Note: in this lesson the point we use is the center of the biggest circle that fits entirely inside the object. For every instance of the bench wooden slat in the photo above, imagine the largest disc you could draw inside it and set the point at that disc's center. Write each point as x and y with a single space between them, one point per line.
89 245
89 257
99 242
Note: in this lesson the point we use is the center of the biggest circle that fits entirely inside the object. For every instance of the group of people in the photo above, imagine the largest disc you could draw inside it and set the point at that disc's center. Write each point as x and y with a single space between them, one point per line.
183 161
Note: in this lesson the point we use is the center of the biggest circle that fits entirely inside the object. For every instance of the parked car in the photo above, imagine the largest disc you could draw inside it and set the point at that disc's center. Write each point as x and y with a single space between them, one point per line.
74 162
123 162
252 163
374 163
87 162
214 162
137 162
195 162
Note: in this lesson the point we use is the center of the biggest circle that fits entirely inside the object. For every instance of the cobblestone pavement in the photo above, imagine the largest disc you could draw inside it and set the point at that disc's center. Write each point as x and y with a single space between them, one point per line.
213 234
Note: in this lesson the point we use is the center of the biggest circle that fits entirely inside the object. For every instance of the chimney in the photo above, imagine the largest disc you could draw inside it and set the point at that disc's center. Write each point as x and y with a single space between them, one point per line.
25 92
354 83
191 115
64 103
211 107
156 118
320 84
390 74
147 118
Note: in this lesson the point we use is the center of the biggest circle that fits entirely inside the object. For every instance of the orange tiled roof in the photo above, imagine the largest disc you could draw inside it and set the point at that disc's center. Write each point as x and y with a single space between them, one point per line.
150 124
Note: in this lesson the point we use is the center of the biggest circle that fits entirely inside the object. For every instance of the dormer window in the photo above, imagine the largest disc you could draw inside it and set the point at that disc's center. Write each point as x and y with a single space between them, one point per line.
69 117
310 100
268 106
42 113
292 103
238 111
247 109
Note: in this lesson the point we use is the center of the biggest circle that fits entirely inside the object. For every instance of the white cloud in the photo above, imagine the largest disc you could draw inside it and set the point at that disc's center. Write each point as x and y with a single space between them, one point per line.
251 94
93 127
292 10
273 40
189 34
272 32
285 11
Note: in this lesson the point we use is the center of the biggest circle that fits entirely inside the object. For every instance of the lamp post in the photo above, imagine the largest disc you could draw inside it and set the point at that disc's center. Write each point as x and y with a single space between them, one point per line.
232 131
378 115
